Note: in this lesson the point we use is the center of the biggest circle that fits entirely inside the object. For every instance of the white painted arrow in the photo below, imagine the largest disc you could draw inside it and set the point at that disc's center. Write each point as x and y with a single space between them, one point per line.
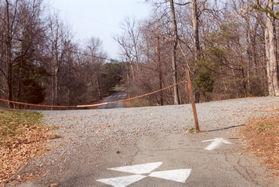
122 181
138 169
215 143
179 175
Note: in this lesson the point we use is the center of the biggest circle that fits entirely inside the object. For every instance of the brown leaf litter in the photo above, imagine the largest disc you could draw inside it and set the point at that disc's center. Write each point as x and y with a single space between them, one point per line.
262 138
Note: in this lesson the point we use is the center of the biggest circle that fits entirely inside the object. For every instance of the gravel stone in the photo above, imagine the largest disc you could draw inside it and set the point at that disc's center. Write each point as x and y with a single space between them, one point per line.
100 130
78 125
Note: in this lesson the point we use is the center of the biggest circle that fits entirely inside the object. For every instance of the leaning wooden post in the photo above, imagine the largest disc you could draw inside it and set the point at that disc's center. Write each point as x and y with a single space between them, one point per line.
192 99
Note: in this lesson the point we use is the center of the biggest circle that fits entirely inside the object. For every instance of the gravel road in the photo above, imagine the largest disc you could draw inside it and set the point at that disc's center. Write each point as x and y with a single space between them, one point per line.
95 132
78 125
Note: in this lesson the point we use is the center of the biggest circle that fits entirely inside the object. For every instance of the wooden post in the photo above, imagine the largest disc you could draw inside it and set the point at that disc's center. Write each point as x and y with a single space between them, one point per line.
192 99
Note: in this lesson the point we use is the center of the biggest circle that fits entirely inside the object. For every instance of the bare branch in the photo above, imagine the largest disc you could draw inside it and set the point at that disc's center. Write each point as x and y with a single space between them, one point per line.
182 4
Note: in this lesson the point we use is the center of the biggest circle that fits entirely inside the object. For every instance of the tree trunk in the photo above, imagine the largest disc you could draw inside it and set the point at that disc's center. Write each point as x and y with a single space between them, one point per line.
19 83
271 53
132 76
55 85
69 97
99 87
174 63
254 49
10 81
197 48
174 75
9 55
247 76
160 70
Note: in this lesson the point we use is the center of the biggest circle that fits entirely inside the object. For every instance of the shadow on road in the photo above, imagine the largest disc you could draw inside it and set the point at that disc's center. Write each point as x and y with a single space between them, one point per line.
226 128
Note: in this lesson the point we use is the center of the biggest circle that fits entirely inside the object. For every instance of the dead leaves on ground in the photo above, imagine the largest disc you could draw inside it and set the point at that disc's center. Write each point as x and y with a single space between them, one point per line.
21 137
15 151
262 137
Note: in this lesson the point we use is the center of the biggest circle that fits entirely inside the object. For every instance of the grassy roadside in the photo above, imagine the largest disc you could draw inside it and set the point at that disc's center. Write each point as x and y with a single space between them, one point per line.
22 136
262 138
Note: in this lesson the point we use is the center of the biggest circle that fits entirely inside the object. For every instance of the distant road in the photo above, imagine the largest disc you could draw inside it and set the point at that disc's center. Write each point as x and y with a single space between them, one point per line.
114 97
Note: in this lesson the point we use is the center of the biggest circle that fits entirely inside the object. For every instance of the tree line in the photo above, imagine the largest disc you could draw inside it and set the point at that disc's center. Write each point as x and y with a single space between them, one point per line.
40 63
229 46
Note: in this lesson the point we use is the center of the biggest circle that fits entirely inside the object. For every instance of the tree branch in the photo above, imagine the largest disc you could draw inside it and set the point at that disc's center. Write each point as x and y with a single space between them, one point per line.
182 4
1 70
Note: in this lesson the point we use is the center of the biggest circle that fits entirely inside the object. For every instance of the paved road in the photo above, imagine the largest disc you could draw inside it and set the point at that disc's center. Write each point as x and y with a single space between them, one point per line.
114 97
99 144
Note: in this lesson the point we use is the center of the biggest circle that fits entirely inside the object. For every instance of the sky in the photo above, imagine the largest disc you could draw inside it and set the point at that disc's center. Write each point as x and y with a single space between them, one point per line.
99 18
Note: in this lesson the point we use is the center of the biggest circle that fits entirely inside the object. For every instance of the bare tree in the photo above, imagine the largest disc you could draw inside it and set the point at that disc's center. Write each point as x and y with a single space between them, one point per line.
10 26
59 42
95 64
197 49
271 51
129 43
270 45
174 55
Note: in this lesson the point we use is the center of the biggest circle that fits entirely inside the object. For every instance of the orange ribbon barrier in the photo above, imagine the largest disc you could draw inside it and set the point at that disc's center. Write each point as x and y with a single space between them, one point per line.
38 105
93 105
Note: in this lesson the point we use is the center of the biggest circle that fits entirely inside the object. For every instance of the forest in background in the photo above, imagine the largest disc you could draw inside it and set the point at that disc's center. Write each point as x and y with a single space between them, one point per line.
229 46
40 63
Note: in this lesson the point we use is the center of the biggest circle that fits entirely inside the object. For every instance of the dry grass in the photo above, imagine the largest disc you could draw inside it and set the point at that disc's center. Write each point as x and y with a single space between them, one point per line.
137 103
262 137
22 137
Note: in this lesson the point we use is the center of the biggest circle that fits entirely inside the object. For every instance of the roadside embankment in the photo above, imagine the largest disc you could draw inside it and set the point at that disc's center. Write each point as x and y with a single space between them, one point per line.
22 136
262 137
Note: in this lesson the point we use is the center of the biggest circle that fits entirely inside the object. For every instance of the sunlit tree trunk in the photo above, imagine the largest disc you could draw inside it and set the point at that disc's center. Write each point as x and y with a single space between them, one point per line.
173 59
197 49
271 52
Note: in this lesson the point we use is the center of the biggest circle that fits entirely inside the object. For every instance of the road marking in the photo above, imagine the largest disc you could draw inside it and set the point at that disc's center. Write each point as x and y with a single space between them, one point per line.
215 143
180 175
122 181
138 169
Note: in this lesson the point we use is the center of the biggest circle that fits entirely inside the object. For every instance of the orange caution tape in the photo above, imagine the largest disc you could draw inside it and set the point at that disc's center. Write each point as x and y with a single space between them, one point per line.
38 105
94 105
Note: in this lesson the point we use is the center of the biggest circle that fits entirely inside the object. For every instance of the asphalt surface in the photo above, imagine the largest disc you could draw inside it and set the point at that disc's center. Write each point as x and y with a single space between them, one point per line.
96 140
114 97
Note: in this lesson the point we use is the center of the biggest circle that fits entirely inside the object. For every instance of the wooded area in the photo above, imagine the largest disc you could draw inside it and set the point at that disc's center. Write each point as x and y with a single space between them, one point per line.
40 63
229 46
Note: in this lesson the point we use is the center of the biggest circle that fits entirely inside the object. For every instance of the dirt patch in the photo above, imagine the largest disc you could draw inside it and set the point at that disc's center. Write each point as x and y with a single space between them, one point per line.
262 138
21 138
